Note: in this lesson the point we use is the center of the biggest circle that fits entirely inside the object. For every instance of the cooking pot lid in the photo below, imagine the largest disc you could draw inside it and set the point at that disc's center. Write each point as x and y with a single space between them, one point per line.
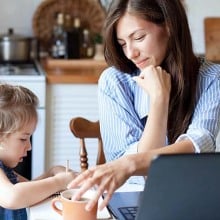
10 36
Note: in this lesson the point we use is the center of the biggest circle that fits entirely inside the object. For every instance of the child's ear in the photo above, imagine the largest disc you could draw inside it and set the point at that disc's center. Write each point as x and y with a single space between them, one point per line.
1 144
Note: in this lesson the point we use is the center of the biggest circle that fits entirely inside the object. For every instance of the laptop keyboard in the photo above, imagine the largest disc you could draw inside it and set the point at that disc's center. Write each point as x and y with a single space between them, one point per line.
129 213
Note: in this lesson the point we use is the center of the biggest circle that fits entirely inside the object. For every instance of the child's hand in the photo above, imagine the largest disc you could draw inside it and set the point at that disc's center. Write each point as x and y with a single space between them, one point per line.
64 178
56 169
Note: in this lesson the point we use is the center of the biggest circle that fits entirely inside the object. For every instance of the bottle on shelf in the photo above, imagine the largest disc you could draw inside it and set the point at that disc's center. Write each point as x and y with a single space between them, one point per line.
58 49
74 37
68 24
87 46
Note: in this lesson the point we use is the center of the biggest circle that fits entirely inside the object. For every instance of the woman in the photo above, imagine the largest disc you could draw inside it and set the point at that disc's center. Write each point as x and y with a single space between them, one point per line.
156 98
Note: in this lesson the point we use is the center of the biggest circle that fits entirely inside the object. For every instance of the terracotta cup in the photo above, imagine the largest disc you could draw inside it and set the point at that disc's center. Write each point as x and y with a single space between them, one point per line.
74 209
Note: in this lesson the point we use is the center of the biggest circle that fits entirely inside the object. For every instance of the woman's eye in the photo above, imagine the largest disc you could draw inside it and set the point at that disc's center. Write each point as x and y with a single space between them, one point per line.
139 38
123 45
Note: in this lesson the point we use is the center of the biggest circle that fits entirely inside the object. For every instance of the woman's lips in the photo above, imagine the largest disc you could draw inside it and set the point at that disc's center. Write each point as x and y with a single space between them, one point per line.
141 64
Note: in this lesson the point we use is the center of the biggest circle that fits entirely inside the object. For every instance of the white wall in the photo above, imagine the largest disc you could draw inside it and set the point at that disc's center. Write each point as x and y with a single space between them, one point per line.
197 10
17 14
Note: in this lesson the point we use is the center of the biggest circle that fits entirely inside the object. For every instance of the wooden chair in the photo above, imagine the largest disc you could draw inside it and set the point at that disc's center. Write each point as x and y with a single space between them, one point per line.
83 128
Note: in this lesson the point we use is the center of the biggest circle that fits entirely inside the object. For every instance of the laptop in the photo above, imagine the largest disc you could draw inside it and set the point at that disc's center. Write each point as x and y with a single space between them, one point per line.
178 187
124 205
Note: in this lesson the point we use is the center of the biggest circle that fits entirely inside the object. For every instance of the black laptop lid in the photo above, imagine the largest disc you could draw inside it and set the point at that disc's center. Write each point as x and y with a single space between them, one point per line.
182 187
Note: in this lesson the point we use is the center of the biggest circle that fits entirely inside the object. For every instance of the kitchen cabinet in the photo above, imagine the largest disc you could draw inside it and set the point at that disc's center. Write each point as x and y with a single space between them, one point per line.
65 101
71 92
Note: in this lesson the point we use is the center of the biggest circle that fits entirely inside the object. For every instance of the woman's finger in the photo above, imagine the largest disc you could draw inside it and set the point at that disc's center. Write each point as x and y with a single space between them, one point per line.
92 202
80 179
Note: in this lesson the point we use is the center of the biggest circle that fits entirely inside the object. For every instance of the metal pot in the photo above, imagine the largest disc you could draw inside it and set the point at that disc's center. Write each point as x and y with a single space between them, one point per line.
14 47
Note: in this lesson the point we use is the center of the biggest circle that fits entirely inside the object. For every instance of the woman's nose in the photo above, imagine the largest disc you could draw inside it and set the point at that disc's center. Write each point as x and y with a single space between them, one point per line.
131 52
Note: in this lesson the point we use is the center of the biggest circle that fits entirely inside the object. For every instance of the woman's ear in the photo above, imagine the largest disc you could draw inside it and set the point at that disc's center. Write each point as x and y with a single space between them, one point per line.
168 31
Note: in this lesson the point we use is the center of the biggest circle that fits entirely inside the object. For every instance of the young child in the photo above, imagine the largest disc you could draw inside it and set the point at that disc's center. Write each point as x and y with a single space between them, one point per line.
18 119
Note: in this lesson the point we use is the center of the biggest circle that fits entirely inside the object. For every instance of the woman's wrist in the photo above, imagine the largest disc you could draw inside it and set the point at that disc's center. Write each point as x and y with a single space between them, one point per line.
137 164
131 164
159 101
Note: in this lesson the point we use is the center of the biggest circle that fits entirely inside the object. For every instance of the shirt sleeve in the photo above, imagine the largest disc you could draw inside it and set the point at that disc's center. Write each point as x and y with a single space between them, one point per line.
205 123
120 125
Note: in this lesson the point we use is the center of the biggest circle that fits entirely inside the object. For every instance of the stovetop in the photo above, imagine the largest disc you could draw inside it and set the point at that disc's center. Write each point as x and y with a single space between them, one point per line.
31 68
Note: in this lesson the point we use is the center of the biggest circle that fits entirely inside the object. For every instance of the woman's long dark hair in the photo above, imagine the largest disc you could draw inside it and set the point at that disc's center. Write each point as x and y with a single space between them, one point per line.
180 60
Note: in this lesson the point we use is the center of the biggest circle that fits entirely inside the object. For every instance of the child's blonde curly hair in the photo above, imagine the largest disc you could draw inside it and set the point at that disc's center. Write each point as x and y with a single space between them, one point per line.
18 107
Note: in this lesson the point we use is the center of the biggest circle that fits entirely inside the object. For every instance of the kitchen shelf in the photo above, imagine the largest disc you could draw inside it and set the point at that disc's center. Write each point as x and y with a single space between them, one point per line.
73 71
75 63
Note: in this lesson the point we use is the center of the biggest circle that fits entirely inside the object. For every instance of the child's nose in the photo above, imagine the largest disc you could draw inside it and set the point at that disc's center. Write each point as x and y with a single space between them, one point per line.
29 146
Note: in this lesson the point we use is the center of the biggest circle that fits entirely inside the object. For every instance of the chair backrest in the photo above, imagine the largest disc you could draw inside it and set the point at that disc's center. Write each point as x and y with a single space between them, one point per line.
83 128
212 38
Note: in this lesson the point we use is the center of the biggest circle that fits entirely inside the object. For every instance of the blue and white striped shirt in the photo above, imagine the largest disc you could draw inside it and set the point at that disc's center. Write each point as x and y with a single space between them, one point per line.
123 107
